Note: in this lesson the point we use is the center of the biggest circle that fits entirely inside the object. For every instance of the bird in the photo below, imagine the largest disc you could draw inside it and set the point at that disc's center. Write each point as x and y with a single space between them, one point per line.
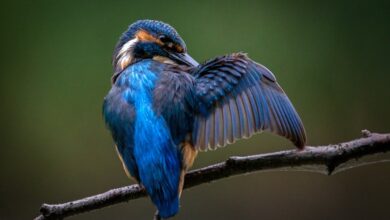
164 107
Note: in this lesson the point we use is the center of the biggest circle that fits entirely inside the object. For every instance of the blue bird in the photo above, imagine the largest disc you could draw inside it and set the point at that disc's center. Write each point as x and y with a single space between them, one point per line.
164 107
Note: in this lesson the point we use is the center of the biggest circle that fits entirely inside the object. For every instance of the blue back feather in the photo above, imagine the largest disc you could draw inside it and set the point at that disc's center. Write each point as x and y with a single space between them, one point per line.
156 157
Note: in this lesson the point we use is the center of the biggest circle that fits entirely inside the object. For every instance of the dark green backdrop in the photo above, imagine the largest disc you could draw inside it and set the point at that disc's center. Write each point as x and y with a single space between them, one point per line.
332 59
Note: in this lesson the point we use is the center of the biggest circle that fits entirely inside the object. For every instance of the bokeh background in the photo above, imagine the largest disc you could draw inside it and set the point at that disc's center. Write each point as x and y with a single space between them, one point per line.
331 57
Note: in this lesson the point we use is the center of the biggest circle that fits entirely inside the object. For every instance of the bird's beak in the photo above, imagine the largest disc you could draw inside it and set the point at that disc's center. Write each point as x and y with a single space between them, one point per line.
183 58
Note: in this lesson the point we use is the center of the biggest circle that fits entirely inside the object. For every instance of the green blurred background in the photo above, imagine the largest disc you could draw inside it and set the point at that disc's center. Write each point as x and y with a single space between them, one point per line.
332 59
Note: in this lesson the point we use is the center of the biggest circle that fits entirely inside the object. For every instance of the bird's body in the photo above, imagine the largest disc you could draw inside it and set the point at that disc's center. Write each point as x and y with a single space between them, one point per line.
163 107
147 112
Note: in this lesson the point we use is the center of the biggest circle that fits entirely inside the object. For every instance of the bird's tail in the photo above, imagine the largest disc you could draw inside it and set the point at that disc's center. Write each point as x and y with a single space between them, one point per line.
159 171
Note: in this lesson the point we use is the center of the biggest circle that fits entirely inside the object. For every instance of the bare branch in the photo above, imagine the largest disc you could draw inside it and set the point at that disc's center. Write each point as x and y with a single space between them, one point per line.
322 159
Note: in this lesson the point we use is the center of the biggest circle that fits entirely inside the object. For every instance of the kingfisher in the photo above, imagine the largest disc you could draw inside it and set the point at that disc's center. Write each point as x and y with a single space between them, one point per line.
164 107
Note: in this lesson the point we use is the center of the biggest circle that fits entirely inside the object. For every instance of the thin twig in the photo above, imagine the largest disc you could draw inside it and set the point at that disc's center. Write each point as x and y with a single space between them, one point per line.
322 159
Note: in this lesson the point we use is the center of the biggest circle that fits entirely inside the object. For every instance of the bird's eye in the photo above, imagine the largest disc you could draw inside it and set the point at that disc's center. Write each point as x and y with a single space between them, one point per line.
163 38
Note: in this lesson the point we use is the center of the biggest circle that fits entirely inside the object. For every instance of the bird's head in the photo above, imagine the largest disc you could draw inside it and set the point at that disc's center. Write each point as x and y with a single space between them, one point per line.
150 39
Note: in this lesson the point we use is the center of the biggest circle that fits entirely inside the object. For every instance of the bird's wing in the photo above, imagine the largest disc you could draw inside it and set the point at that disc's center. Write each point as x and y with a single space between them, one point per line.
237 98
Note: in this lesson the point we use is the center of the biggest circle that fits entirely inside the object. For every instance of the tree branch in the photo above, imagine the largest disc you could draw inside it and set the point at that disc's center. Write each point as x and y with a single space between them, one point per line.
323 159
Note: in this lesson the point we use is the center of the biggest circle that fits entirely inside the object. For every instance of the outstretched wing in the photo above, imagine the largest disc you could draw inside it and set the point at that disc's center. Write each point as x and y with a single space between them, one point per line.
236 98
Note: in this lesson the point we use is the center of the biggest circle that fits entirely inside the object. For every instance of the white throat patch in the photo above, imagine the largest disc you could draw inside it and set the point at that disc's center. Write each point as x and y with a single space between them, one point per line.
125 55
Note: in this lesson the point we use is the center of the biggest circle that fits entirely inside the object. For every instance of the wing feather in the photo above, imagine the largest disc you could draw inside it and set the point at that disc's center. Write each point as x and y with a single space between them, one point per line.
221 133
249 112
227 120
255 110
236 126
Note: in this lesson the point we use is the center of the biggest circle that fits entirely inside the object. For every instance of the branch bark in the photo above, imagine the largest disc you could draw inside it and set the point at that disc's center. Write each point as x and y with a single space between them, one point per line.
323 159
